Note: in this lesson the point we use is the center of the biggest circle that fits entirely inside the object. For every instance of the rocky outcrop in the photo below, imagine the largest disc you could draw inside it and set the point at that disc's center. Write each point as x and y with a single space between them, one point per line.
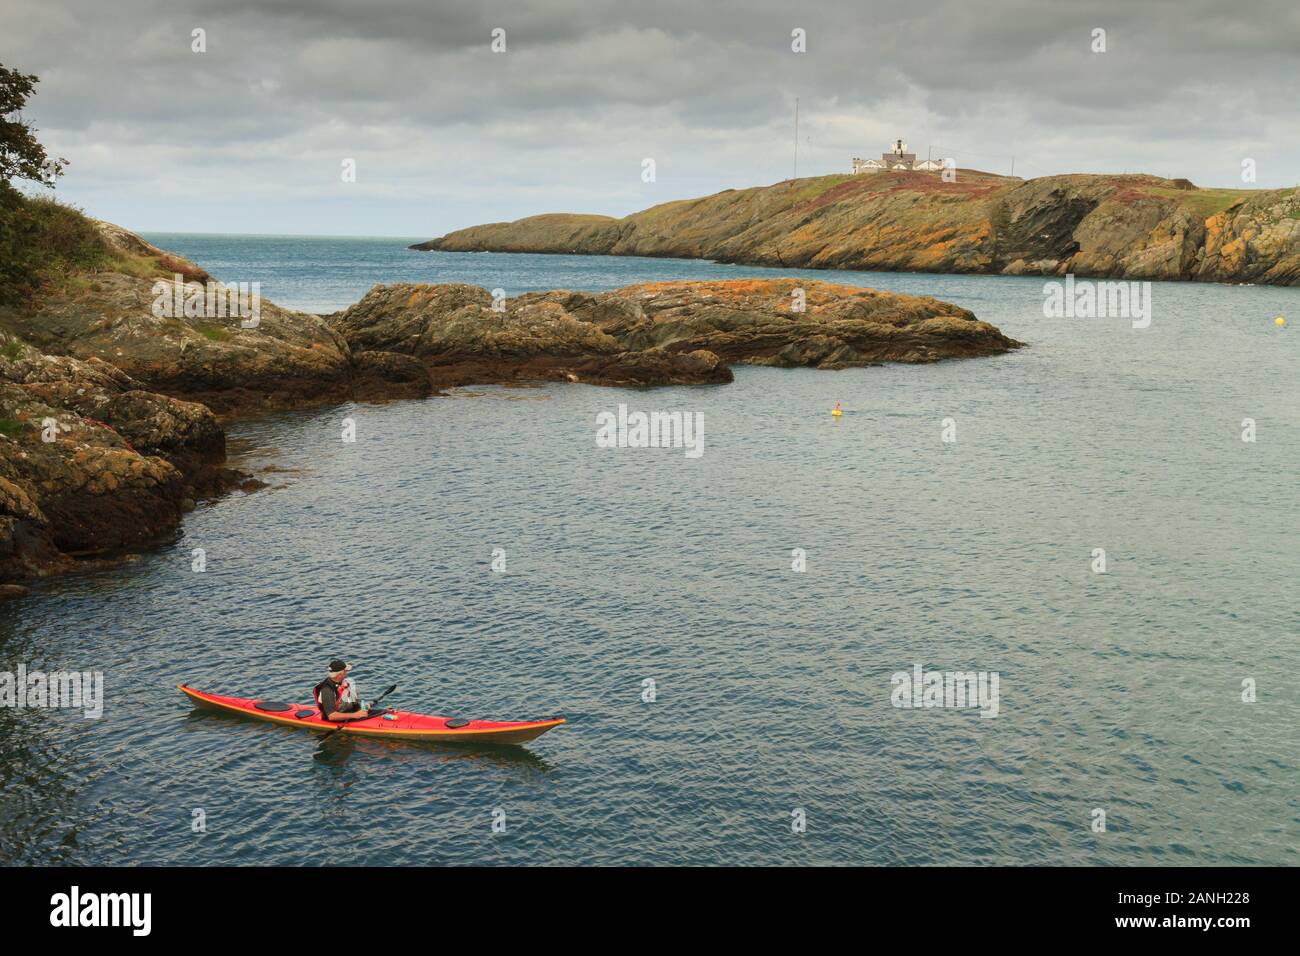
1134 226
456 333
756 322
91 463
289 359
660 333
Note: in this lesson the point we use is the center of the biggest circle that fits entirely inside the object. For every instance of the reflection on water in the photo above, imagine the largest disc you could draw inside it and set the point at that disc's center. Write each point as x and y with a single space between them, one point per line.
339 748
335 749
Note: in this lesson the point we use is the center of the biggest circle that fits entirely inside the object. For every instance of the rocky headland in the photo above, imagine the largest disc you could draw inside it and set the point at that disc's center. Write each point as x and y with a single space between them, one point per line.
1130 226
111 414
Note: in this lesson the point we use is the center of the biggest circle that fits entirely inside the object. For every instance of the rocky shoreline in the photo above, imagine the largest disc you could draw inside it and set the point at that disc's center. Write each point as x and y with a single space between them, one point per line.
111 416
1129 227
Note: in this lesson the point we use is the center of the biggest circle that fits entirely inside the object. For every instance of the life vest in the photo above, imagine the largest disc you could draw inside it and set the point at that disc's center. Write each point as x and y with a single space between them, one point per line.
342 705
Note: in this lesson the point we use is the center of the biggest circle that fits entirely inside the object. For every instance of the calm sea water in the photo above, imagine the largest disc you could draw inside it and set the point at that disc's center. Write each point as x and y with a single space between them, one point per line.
1118 691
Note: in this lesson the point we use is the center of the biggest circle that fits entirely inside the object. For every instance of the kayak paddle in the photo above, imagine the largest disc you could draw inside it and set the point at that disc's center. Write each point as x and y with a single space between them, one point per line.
344 723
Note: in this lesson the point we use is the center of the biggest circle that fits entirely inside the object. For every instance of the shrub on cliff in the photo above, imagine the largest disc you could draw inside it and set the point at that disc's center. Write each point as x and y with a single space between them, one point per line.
39 238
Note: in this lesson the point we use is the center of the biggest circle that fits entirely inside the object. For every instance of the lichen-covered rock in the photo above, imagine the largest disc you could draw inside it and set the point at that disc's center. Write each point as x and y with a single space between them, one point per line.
461 338
382 376
794 322
290 358
252 361
90 463
659 333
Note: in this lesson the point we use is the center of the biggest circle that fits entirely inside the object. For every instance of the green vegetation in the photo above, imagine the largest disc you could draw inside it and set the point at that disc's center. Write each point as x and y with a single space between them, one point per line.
39 238
1204 202
814 187
12 428
212 332
21 154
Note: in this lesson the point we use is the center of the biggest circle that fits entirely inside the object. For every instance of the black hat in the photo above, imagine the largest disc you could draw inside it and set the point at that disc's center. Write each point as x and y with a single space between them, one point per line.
337 666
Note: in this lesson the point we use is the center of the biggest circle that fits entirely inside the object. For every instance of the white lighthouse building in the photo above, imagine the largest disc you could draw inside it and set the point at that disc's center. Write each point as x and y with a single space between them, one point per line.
897 158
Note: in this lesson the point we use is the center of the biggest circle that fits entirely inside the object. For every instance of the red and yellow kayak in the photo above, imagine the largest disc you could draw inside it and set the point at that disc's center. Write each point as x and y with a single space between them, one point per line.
397 725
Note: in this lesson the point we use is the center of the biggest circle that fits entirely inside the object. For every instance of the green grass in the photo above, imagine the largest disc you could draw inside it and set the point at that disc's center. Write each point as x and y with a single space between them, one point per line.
814 187
1204 202
12 349
47 245
42 240
12 428
735 205
214 333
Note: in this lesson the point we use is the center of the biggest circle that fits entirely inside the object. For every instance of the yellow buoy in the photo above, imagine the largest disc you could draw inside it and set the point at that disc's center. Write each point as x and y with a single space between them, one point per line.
1279 321
835 412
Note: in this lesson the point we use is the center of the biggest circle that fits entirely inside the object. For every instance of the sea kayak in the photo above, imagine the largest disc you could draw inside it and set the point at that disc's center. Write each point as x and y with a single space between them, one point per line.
396 725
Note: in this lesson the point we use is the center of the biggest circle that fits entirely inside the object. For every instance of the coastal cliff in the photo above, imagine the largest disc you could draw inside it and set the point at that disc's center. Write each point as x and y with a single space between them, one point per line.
110 408
1131 226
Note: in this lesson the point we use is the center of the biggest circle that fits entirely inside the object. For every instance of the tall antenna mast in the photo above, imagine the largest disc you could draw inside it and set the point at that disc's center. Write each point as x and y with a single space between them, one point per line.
796 137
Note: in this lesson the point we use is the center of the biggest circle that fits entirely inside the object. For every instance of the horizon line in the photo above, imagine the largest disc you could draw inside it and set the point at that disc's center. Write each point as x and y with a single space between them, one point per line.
270 235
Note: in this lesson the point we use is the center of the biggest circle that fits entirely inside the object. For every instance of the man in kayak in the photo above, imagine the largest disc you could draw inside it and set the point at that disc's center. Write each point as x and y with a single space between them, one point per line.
336 695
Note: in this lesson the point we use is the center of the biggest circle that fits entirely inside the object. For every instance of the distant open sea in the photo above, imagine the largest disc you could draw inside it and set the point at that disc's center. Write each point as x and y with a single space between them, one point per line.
1119 691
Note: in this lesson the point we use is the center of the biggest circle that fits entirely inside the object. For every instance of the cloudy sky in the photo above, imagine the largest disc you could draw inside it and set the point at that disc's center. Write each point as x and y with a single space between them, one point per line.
250 135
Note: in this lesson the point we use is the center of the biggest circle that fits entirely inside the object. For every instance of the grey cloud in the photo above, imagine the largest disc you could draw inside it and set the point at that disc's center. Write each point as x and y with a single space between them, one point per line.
588 88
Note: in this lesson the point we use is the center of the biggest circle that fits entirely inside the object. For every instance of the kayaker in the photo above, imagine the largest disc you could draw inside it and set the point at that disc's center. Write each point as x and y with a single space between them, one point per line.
336 695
